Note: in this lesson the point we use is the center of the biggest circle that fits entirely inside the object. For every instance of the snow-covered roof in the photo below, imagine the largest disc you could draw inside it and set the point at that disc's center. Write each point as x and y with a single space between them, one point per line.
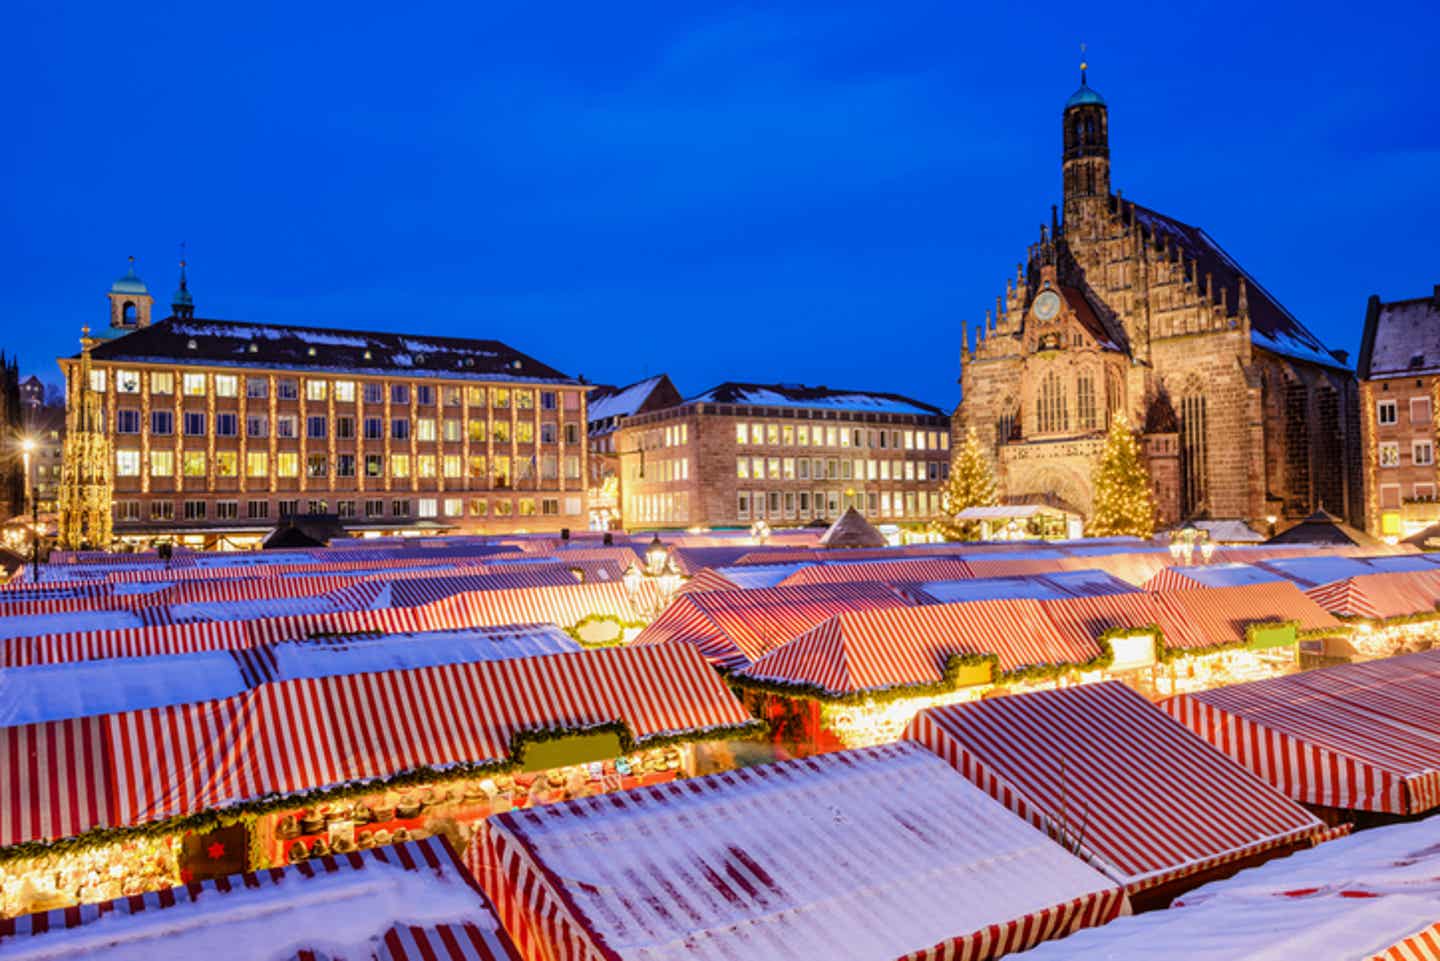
1272 327
363 655
758 575
1230 532
1001 512
1228 575
53 692
405 902
877 853
815 398
621 401
229 343
1354 897
1401 339
66 622
1312 571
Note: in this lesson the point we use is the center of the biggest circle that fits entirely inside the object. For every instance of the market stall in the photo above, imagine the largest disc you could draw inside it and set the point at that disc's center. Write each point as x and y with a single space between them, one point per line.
1236 634
847 857
1393 611
1353 738
859 677
1115 780
1369 896
907 569
733 628
303 767
408 902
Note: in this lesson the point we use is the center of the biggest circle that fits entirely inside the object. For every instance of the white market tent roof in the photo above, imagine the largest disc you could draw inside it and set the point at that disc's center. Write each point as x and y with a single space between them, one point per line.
53 692
851 856
407 902
391 652
1004 512
1372 895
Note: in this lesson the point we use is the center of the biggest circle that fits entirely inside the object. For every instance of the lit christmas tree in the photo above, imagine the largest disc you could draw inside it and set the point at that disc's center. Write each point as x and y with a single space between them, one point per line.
1124 500
970 485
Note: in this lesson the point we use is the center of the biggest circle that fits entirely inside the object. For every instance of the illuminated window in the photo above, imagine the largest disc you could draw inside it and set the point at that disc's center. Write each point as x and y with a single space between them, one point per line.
345 391
194 463
315 389
162 382
127 463
127 381
227 463
1390 454
257 464
287 464
400 465
193 385
227 385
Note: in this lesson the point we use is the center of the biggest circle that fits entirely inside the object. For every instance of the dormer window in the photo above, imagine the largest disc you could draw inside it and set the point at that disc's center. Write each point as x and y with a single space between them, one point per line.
368 355
310 351
191 345
254 348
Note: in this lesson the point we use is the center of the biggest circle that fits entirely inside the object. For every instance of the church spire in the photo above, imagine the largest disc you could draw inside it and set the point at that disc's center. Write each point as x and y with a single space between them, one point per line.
182 305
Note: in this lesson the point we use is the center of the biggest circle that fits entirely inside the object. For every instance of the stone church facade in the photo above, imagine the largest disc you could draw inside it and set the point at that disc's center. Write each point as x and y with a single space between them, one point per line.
1244 413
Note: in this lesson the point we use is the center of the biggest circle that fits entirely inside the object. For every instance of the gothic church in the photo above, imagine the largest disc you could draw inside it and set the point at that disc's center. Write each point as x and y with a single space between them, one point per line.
1244 413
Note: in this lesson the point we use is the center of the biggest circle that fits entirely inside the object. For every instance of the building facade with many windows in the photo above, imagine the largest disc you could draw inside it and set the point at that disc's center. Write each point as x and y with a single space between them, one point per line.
220 429
1399 371
784 454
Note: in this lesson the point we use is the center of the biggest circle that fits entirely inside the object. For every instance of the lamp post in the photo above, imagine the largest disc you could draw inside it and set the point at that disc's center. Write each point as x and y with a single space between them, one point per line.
27 447
660 570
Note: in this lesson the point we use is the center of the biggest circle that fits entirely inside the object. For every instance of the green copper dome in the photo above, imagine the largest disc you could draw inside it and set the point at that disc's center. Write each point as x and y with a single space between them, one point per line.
129 284
1083 96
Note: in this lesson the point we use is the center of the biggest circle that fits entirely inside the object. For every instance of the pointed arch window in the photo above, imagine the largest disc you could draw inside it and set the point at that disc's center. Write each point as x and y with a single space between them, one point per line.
1085 412
1052 414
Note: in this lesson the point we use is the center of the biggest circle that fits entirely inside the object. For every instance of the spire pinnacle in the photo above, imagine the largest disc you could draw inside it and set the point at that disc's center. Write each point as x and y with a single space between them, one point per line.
1083 65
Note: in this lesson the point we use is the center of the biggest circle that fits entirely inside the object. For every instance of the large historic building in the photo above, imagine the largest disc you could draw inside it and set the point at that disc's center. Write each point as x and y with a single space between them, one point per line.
1119 308
785 454
214 430
1399 370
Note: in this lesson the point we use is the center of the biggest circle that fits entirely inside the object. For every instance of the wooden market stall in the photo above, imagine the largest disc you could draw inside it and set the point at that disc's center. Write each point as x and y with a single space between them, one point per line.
296 768
850 857
1117 781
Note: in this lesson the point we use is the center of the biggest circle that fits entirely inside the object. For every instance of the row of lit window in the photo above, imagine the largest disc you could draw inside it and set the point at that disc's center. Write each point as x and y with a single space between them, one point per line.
1422 453
658 508
819 468
676 435
423 507
1387 412
806 435
288 464
800 505
661 471
194 423
193 384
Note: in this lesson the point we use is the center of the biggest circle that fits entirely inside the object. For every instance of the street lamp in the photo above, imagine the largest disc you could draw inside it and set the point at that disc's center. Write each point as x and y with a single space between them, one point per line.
27 447
655 557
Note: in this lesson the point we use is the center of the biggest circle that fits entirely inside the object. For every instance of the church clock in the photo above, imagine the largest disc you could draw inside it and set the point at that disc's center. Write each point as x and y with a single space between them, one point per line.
1047 305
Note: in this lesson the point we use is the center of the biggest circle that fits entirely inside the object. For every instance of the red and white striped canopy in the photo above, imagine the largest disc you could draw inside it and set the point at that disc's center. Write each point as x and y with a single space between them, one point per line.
1220 615
372 897
1363 736
1100 766
64 778
1380 596
871 650
877 853
733 628
1083 619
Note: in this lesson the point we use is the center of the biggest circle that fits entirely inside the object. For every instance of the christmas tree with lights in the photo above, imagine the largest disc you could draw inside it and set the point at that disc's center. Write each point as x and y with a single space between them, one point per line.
1124 499
971 484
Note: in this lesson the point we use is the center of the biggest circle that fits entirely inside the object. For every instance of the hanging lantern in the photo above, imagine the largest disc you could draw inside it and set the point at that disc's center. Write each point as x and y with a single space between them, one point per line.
655 556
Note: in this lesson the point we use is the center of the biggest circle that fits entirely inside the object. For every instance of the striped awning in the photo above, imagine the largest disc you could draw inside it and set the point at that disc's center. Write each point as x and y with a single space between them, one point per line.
1083 619
301 735
733 628
871 650
1380 596
877 853
1220 615
1099 767
406 902
1363 736
64 778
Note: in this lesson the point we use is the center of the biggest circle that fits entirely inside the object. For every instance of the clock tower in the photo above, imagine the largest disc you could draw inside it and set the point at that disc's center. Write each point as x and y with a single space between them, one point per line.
1086 159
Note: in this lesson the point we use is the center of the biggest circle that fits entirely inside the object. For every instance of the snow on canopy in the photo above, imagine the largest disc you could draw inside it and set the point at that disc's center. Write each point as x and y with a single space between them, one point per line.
407 902
1363 736
1370 895
1209 575
1158 804
52 692
1038 586
850 856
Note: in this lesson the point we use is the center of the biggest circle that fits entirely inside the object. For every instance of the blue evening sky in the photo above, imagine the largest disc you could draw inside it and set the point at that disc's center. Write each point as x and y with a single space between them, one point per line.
816 192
